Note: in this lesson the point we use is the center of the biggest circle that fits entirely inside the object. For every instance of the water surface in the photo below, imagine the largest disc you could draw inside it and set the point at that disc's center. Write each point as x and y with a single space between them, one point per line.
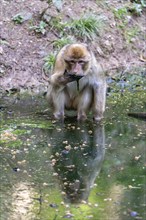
52 170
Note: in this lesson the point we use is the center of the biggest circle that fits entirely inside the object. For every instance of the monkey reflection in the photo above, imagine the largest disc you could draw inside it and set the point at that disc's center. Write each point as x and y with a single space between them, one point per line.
78 155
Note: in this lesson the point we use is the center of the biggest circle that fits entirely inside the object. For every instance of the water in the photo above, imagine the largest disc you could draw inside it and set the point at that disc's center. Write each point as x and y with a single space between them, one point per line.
71 170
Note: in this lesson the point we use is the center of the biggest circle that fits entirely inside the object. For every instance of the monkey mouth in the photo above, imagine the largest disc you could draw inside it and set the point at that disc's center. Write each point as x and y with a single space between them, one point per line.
78 76
73 76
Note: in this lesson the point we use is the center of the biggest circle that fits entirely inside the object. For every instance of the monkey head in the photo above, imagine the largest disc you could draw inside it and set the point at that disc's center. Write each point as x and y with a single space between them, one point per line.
77 60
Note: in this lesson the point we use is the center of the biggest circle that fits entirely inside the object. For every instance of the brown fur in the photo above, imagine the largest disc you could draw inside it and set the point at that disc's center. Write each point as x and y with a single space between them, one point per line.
78 86
76 52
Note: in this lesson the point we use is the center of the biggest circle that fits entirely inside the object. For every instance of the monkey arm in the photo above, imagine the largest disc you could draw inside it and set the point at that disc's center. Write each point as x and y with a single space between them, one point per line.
72 77
61 79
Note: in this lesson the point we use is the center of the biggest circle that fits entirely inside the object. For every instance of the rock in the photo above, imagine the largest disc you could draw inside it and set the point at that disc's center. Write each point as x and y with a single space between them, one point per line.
49 14
24 15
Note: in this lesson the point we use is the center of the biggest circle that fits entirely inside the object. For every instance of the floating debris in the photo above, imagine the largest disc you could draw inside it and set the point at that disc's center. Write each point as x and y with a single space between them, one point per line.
53 205
133 214
69 215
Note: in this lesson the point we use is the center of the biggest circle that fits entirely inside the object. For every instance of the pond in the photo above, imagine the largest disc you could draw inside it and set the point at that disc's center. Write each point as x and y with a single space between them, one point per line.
52 170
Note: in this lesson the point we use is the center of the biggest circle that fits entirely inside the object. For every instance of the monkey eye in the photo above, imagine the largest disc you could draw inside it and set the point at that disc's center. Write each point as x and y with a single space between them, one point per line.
72 62
81 62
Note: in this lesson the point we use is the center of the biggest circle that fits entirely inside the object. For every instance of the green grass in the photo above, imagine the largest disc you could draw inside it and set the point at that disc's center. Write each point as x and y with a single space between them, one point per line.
120 13
83 28
58 25
131 33
59 43
86 27
49 62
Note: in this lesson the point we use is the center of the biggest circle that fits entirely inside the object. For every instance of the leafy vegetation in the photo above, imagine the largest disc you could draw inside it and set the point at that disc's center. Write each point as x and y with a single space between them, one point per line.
128 81
131 33
86 27
57 24
18 19
49 62
41 28
135 9
123 16
120 13
59 43
125 90
142 2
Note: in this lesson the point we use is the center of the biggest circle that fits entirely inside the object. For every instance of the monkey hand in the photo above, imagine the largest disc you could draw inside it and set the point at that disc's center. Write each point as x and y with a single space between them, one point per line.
72 76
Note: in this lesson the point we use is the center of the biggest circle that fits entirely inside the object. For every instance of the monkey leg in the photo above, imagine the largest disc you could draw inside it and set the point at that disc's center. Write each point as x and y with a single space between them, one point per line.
83 103
58 106
58 99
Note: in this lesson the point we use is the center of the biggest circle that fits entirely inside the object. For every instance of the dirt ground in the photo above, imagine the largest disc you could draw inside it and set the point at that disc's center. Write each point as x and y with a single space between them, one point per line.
22 51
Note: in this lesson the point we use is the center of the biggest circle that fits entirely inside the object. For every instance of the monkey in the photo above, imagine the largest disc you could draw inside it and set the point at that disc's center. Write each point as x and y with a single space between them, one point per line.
77 83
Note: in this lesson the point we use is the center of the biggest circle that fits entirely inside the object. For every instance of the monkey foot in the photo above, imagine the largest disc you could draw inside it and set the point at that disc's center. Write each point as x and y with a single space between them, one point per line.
58 116
98 119
82 117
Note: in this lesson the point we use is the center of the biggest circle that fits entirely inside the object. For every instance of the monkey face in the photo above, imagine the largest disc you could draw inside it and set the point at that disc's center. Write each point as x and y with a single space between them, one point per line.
76 68
77 60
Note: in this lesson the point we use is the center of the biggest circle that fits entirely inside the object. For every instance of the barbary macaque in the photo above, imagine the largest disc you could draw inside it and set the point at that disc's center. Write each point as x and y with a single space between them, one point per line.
77 83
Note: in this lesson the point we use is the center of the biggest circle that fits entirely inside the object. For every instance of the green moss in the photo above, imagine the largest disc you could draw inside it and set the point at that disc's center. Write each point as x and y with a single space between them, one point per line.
12 143
131 33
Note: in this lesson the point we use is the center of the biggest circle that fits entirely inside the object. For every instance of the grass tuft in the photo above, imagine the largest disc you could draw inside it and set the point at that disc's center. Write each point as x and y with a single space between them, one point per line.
59 43
49 62
86 27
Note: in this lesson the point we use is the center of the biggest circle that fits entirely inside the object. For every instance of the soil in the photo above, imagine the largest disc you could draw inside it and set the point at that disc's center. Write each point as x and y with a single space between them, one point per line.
22 50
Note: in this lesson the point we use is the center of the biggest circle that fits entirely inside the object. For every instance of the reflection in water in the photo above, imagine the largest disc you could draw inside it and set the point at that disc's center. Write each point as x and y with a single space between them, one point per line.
31 145
22 201
78 154
16 200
